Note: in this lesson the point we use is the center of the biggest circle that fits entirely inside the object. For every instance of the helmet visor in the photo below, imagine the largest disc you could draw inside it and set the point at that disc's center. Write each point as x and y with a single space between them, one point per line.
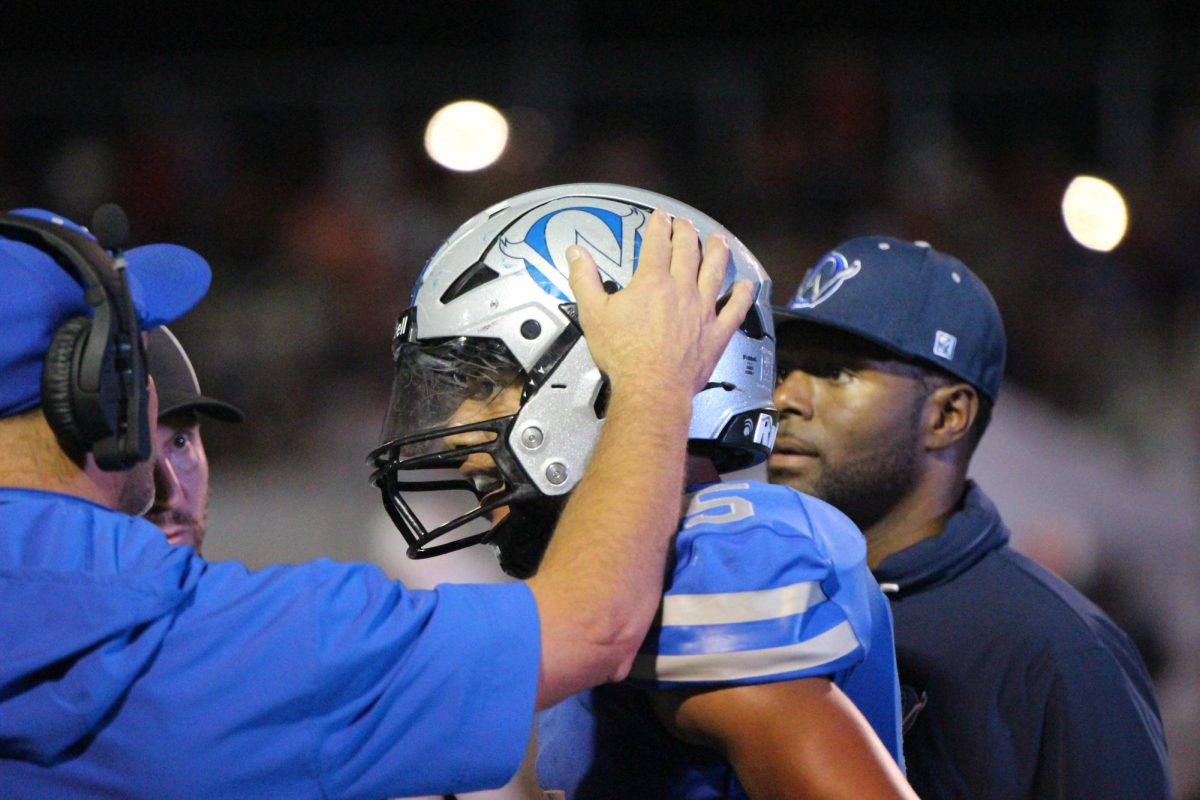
446 384
442 464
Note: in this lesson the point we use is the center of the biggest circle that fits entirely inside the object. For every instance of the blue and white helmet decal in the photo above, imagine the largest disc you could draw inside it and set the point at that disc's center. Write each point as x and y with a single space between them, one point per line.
825 278
614 239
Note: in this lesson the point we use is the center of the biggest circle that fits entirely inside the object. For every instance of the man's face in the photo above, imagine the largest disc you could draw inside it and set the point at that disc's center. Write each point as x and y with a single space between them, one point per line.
850 416
180 480
487 401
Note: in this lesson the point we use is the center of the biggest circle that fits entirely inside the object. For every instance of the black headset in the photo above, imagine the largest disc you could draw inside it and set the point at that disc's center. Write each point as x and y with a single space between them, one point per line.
94 388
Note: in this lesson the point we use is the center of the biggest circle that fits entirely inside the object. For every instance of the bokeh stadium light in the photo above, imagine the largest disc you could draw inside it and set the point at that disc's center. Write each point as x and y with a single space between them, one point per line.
1095 213
466 136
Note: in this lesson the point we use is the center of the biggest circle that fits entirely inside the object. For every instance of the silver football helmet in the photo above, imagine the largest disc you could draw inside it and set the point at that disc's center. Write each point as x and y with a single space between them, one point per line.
493 316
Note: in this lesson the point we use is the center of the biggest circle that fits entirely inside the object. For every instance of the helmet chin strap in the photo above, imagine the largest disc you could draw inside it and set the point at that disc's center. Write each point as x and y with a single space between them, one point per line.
521 537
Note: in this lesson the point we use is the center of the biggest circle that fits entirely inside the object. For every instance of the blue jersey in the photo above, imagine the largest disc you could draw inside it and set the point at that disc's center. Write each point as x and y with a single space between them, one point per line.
767 585
135 669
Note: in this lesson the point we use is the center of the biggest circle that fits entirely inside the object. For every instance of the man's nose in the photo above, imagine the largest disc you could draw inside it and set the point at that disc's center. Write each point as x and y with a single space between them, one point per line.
793 394
167 490
468 438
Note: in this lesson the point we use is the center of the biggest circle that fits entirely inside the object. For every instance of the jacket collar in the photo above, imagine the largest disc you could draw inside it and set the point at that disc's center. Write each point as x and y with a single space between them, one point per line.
971 532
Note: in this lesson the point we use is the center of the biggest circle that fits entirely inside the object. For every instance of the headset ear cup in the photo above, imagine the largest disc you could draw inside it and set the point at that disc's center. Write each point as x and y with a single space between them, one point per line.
58 381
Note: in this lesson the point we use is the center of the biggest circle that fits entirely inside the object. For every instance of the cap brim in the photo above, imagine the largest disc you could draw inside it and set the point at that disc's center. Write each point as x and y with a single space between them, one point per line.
782 315
166 281
215 409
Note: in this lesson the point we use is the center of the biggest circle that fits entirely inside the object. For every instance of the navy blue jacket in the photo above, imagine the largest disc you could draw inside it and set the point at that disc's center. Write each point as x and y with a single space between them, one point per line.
1029 690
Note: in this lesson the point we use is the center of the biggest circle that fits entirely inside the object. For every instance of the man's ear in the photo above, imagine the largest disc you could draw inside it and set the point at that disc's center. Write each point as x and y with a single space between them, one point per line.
950 412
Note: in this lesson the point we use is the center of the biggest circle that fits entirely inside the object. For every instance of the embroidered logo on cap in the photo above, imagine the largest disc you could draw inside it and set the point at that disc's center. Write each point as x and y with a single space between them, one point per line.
943 345
824 279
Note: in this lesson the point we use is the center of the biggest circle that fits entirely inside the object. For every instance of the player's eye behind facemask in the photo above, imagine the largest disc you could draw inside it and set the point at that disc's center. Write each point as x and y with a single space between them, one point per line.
444 384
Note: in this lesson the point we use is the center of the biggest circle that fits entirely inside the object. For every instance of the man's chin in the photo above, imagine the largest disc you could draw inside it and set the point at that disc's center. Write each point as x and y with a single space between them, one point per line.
800 480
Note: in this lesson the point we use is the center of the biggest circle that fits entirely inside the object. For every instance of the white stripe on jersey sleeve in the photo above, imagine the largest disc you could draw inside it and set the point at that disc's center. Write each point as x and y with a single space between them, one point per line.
730 667
721 608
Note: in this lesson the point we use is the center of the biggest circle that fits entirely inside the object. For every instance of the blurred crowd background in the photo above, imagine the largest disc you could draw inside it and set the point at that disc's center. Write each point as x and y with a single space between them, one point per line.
288 150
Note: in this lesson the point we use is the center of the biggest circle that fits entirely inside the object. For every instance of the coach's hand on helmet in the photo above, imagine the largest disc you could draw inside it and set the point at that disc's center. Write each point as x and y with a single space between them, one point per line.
663 327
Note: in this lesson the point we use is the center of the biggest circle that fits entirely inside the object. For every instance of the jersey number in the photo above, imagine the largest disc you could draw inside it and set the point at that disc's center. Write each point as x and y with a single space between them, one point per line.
731 508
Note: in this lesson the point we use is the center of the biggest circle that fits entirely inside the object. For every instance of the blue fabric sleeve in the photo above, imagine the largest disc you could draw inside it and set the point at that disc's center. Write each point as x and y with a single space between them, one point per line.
450 702
757 593
140 670
388 691
1099 739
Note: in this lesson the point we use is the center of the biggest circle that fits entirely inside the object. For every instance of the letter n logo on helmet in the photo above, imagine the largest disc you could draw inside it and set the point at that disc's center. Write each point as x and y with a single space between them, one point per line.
612 234
825 278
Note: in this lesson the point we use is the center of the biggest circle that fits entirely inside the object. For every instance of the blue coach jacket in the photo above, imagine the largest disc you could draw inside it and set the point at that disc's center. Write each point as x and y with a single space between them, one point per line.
134 669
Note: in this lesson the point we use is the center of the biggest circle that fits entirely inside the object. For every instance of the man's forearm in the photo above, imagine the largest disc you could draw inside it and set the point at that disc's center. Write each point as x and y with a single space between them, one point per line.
657 340
797 738
601 579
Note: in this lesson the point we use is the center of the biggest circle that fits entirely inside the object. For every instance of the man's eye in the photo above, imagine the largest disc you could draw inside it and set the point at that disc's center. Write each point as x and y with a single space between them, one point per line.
833 372
180 441
483 390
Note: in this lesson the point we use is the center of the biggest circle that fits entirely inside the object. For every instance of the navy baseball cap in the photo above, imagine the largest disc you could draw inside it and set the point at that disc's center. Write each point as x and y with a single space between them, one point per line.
176 381
910 299
37 295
